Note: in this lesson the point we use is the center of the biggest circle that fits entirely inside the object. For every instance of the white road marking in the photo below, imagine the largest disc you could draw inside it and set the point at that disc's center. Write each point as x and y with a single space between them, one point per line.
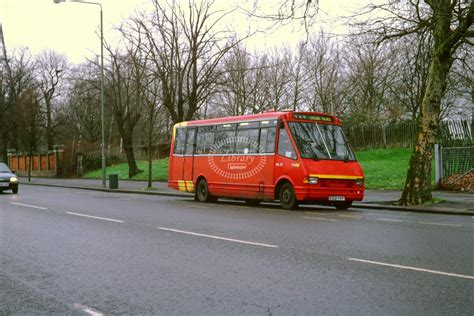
27 205
217 237
88 310
96 217
389 220
315 213
439 224
322 219
413 268
350 216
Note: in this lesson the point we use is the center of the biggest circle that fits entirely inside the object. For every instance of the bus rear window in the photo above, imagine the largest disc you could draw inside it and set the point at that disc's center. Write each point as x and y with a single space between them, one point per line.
179 141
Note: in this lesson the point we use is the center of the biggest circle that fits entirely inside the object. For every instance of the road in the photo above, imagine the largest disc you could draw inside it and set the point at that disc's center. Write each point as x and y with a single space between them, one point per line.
68 251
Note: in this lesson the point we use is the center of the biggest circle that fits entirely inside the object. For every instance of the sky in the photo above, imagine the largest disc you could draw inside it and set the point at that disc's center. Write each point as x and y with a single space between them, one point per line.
71 28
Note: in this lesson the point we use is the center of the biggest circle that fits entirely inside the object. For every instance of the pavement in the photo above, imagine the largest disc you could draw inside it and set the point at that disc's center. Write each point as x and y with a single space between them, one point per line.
455 203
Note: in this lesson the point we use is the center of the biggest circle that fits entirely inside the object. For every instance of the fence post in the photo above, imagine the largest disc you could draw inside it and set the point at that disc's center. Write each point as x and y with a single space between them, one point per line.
10 153
438 163
58 150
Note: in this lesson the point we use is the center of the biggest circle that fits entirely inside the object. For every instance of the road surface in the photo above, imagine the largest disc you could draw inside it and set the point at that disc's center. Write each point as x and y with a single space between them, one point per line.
69 251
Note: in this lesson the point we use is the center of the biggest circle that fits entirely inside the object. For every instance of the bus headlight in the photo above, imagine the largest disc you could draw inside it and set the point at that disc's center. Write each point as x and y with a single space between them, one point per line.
360 181
310 180
14 179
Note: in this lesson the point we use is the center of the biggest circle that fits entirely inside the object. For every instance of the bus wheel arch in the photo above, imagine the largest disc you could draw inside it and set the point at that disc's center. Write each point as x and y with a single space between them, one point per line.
285 192
202 191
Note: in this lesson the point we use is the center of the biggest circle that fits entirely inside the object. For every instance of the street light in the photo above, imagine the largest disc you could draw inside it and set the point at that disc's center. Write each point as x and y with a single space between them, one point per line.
102 119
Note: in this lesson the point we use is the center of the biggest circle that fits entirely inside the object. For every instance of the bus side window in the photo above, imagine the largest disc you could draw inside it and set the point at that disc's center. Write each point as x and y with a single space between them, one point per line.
285 147
190 134
267 140
225 139
247 141
205 140
179 141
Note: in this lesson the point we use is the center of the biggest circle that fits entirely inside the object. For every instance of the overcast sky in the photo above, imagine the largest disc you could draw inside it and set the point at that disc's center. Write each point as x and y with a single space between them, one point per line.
70 28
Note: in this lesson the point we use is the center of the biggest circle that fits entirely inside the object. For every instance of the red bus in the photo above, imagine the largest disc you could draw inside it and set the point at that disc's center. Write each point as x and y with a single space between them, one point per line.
293 157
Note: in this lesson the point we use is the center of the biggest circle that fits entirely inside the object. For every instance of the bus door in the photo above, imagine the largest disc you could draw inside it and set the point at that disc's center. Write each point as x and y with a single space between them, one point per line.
267 139
188 161
286 161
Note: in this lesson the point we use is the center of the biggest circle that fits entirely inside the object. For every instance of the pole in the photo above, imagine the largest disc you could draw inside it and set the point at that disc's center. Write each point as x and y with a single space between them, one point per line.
102 114
102 111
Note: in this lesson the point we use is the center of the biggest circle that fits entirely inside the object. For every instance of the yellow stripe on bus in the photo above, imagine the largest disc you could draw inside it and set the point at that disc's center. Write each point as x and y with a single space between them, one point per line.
190 186
181 186
335 176
186 186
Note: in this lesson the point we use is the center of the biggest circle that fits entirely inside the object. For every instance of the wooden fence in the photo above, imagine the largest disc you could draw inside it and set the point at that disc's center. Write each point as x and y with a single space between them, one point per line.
46 164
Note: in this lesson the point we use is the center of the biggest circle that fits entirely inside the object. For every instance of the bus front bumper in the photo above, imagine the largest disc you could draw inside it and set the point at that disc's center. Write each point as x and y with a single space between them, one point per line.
318 194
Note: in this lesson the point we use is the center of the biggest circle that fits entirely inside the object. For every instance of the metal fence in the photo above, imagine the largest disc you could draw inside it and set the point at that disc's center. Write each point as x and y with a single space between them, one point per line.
403 134
456 160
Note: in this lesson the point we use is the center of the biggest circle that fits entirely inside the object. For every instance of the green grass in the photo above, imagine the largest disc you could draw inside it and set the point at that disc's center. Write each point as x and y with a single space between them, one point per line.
384 169
159 171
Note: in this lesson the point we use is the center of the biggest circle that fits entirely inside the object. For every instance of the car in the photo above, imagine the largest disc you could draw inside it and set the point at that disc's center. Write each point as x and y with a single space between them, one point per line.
8 179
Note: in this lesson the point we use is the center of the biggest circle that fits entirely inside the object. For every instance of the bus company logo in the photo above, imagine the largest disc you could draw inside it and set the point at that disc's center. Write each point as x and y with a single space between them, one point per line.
236 166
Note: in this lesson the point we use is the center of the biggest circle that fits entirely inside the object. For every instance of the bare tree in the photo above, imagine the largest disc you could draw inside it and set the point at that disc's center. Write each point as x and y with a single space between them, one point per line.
51 68
324 66
284 12
29 117
125 95
370 75
236 86
186 50
83 99
18 77
299 78
450 24
277 76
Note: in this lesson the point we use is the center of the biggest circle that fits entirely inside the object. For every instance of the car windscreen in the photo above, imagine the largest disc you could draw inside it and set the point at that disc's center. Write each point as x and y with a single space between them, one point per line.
321 141
4 168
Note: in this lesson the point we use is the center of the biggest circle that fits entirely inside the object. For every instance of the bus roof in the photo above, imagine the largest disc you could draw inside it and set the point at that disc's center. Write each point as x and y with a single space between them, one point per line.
260 116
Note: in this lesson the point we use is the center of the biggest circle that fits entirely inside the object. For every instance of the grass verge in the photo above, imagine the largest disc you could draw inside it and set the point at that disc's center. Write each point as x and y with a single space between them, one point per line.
159 171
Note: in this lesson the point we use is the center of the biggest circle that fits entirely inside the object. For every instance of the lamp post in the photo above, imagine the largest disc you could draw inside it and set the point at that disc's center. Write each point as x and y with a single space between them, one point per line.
102 115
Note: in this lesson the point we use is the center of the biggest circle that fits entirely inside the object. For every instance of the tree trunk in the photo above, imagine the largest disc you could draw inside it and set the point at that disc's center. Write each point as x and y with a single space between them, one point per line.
49 126
150 134
132 164
418 183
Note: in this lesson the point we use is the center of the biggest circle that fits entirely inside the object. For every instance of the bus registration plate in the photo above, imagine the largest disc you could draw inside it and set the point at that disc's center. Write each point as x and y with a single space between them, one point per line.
4 184
337 198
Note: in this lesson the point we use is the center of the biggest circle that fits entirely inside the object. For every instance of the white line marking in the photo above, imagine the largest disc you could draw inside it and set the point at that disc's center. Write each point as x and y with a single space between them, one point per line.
350 216
439 224
96 217
389 220
217 237
413 268
322 219
88 310
26 205
315 213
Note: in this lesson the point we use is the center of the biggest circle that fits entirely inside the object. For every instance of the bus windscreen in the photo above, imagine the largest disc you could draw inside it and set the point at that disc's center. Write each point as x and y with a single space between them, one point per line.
321 141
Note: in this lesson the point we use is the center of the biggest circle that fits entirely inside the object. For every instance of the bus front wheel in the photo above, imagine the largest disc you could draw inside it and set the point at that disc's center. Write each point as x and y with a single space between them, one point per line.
288 199
202 192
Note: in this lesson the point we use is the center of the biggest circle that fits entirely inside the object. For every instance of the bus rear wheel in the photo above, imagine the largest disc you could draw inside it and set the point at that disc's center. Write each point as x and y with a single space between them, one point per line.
342 206
202 192
287 196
